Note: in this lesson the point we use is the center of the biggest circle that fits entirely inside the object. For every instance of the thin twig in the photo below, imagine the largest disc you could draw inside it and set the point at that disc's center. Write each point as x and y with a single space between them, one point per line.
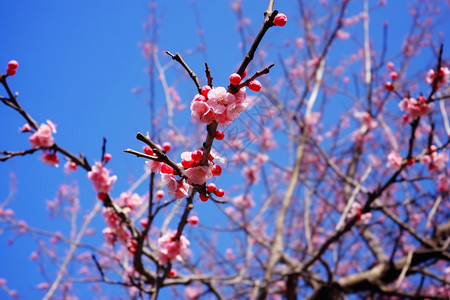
177 57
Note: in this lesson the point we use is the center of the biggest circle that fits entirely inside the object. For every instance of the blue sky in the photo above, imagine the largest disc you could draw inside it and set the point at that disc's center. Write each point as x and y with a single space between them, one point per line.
79 61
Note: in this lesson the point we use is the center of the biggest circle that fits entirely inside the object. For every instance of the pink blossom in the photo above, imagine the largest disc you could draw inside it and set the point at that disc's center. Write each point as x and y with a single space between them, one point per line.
192 293
43 286
177 188
112 220
220 106
442 79
443 182
435 160
241 95
100 178
243 201
251 174
84 270
229 254
9 212
343 35
416 108
50 158
130 201
43 136
70 166
201 112
110 237
439 160
198 175
26 128
220 97
234 110
394 160
34 256
154 165
170 249
365 118
122 235
355 210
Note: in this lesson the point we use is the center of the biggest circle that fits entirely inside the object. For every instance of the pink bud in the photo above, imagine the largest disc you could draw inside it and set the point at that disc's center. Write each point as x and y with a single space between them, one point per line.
200 98
166 169
220 135
187 163
211 187
203 197
280 20
219 192
405 118
148 150
393 75
389 86
42 286
172 273
11 72
235 79
254 85
216 170
197 155
167 146
193 220
205 91
13 64
72 165
160 194
143 222
107 157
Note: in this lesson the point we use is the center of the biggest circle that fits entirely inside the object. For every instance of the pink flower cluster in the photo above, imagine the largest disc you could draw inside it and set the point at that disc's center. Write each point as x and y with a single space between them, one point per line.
394 160
49 157
366 119
195 173
43 136
443 182
355 210
11 69
434 160
130 203
170 249
442 79
100 178
191 162
218 105
416 108
115 230
177 188
120 234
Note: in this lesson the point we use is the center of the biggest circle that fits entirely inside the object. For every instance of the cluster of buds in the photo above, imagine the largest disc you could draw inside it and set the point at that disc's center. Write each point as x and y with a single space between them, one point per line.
415 107
434 160
439 79
12 67
218 105
170 249
43 138
115 230
389 85
99 176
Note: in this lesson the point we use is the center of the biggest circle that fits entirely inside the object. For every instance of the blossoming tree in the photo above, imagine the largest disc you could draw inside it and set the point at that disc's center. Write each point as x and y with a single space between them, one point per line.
307 175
